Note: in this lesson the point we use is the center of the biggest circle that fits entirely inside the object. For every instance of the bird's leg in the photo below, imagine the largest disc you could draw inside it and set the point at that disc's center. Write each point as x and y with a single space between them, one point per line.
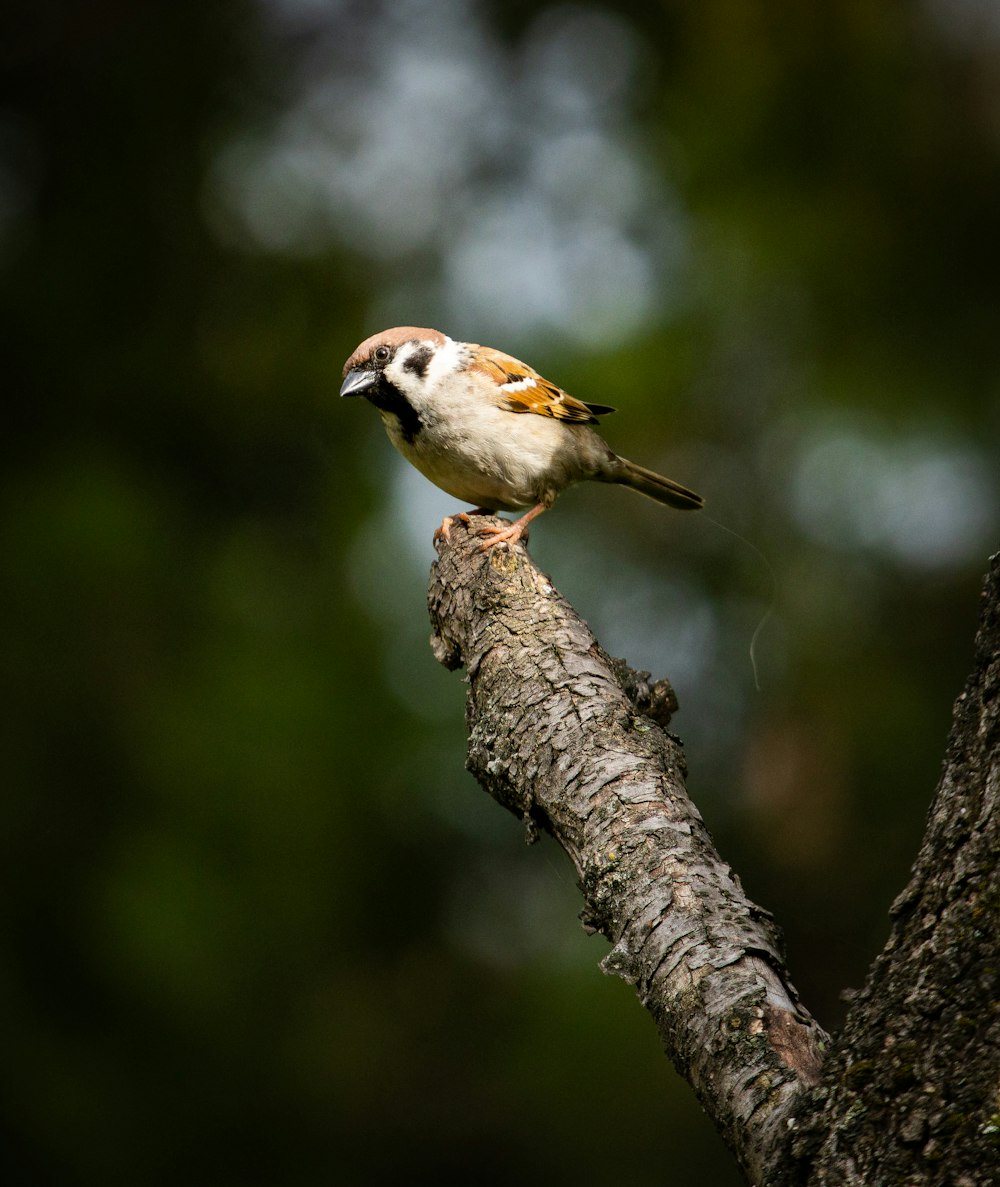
510 534
444 531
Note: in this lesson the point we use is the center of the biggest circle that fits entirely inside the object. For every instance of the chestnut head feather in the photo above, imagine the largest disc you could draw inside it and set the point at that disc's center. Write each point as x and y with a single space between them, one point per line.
392 339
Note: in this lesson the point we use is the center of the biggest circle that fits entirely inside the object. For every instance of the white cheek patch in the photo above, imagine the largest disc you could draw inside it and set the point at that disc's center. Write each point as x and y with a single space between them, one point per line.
445 360
410 361
418 367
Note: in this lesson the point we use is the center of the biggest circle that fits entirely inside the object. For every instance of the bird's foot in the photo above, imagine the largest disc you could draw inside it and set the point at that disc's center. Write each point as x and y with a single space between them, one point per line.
508 535
444 531
518 530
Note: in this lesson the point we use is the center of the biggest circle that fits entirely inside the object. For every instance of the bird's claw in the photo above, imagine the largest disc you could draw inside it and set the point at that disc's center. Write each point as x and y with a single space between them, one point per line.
508 535
444 531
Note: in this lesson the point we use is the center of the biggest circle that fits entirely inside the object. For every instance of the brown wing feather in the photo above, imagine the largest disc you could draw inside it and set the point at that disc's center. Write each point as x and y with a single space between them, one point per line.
524 390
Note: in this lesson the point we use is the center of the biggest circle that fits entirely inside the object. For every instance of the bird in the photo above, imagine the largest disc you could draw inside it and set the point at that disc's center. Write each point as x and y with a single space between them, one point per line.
489 430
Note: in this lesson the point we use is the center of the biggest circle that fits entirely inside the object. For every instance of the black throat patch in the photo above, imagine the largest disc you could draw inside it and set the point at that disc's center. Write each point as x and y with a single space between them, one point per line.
388 398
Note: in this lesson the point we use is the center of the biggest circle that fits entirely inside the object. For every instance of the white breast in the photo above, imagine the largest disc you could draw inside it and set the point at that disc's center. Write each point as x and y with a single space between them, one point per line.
489 457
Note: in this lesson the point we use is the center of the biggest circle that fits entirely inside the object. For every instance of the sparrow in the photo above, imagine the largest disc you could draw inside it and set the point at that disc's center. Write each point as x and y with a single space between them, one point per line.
488 429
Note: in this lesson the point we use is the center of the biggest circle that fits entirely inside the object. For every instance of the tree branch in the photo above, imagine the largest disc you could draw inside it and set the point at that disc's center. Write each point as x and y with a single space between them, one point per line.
913 1094
571 740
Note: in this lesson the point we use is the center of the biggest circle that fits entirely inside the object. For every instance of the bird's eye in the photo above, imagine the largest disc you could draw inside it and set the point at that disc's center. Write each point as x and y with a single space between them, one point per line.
381 354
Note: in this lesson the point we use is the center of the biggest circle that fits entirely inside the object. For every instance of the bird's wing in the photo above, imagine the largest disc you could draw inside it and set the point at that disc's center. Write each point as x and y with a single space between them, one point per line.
522 389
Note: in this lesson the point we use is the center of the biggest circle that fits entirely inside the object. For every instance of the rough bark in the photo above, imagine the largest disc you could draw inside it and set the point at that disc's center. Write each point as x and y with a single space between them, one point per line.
569 739
575 742
912 1090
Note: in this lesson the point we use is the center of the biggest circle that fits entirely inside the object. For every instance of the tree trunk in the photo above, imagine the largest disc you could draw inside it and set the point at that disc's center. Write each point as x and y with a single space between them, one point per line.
912 1089
575 742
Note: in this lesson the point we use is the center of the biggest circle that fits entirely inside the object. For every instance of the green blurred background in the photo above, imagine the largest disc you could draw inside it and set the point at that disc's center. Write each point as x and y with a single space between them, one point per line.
259 926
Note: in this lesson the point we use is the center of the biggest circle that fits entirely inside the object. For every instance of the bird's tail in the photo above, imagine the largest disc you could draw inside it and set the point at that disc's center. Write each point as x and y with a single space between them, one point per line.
654 486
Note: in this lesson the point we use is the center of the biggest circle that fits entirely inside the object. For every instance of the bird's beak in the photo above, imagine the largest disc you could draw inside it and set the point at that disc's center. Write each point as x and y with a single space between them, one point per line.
356 382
